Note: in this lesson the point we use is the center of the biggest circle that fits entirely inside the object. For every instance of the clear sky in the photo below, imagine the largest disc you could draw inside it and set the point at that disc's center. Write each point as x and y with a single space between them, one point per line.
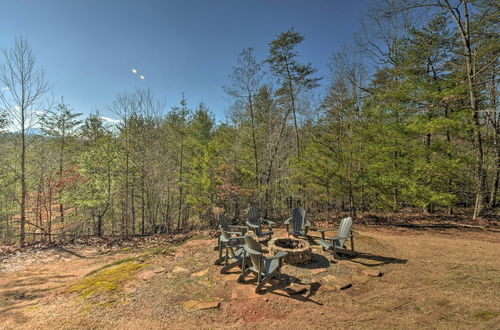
89 47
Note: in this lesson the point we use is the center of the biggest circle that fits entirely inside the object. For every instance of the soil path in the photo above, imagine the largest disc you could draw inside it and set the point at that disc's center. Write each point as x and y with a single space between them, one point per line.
30 278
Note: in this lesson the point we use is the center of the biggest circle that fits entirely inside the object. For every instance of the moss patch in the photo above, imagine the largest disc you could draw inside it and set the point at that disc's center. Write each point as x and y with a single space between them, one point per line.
161 250
485 316
109 279
139 259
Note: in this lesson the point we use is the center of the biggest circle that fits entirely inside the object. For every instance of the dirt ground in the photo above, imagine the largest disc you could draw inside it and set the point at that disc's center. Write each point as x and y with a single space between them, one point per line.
430 279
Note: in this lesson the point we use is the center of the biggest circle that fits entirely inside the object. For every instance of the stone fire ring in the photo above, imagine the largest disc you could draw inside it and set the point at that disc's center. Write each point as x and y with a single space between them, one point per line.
298 250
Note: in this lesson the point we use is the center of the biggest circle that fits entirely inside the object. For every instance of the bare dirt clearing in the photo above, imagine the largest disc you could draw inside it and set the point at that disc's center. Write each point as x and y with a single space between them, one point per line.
430 279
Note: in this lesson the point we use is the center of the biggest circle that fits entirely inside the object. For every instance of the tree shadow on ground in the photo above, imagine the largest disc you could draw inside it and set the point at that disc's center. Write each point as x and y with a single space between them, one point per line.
15 313
70 252
382 260
35 280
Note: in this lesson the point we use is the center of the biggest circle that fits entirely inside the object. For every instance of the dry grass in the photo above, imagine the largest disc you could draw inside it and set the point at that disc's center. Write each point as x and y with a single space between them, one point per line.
432 279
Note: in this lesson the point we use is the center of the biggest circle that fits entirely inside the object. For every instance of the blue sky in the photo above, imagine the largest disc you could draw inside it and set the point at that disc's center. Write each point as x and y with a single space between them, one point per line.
88 47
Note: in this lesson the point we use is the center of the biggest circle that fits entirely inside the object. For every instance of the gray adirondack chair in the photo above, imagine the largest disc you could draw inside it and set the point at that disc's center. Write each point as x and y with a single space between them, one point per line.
299 224
264 268
228 231
337 243
254 223
234 252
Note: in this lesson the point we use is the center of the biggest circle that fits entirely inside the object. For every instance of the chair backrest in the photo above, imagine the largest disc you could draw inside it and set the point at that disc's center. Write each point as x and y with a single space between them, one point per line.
254 245
223 226
344 229
298 219
223 222
253 216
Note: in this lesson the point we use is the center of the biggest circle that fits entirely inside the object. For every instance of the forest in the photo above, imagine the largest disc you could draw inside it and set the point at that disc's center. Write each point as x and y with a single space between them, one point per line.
409 120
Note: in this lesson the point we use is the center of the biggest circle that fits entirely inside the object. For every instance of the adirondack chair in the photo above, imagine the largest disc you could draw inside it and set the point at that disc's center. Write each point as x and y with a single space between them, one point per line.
336 244
228 231
300 225
234 252
264 268
254 223
231 229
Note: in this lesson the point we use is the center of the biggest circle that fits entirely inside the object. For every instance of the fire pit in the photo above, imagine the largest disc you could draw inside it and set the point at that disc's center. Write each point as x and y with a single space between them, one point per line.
298 250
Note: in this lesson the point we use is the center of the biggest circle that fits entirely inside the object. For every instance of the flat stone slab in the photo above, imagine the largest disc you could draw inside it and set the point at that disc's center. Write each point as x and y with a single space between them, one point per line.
331 283
205 283
158 270
178 270
318 271
200 273
295 289
244 292
374 272
194 305
360 278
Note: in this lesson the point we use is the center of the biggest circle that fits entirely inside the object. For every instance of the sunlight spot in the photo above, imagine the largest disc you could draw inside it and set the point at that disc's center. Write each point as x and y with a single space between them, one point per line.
134 71
142 77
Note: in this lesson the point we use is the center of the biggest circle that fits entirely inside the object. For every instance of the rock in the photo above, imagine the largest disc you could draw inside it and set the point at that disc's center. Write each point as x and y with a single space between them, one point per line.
146 275
194 305
319 270
359 278
205 283
219 293
200 273
208 304
335 286
331 283
241 292
178 269
296 289
374 272
158 270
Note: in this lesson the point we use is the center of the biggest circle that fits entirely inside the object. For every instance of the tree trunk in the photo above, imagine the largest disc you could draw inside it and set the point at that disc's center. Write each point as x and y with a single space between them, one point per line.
464 30
23 181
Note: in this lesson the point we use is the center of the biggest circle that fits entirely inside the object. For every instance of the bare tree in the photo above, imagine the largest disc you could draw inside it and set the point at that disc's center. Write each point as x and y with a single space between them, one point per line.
21 97
246 81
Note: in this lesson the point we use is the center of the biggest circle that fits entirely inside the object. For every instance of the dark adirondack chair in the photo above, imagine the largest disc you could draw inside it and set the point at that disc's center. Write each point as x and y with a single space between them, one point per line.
228 231
231 229
254 223
299 224
264 268
337 243
234 252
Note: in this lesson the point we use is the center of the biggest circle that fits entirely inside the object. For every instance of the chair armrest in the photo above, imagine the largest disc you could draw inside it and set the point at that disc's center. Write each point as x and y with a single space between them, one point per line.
237 226
251 251
278 255
336 238
324 230
233 238
269 222
251 225
233 232
287 221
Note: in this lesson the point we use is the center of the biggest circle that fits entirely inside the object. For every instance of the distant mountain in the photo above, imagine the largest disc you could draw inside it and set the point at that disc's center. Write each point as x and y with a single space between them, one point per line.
31 131
35 131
